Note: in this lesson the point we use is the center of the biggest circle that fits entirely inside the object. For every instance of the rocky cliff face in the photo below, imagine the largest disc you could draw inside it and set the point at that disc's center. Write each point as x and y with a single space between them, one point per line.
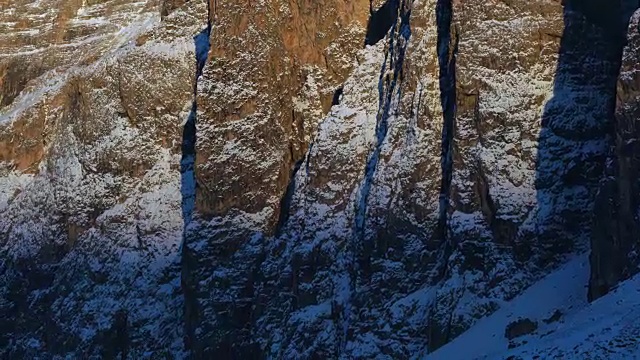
614 255
90 214
304 179
453 172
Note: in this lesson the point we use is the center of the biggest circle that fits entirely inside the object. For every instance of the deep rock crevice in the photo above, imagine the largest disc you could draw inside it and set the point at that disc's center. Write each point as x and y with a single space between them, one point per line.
188 185
287 198
189 136
447 52
381 21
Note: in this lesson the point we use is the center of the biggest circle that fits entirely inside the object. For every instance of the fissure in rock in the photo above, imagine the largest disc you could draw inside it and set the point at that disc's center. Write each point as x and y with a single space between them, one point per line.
337 95
285 201
188 190
447 51
189 136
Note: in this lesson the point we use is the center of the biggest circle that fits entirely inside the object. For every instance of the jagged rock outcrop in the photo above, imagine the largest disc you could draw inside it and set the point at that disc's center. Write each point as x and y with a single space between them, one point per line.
615 244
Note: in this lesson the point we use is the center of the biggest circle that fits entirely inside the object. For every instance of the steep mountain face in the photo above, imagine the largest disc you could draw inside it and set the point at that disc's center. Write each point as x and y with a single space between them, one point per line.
274 69
453 172
306 179
615 244
90 215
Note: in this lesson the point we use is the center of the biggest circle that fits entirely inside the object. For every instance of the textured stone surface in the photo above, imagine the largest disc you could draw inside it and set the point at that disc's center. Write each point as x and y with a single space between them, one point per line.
90 214
537 154
384 233
357 179
614 255
273 70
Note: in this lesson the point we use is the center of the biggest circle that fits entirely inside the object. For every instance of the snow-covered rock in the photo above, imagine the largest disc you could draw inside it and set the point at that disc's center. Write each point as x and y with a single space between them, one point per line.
309 180
90 205
569 326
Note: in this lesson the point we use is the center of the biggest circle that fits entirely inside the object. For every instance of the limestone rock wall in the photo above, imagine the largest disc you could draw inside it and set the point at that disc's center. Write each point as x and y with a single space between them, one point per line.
90 202
453 172
303 179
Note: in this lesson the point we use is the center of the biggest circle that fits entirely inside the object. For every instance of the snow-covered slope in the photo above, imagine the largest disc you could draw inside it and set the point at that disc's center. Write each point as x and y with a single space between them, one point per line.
568 327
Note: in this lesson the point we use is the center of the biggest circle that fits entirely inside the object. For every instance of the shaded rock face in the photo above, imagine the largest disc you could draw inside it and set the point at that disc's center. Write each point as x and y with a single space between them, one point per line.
553 129
614 250
332 200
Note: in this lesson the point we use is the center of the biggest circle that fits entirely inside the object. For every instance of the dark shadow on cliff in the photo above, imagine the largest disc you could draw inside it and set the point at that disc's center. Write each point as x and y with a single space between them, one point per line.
187 172
187 163
576 131
381 21
447 53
